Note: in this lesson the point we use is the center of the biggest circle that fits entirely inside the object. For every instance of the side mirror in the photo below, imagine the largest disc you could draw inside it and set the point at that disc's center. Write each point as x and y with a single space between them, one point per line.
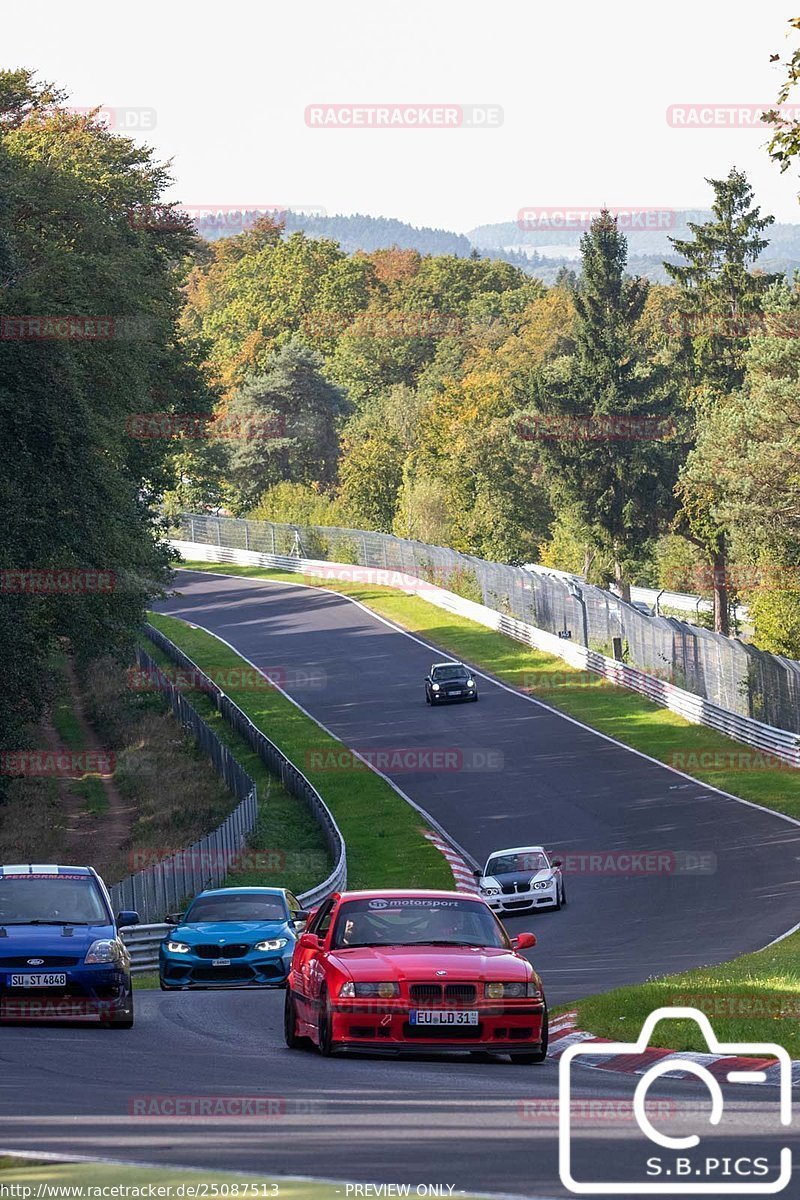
524 941
308 941
174 918
300 919
127 918
478 874
557 862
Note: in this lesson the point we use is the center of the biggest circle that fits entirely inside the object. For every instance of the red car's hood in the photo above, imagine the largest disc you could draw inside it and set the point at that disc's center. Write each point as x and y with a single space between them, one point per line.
374 963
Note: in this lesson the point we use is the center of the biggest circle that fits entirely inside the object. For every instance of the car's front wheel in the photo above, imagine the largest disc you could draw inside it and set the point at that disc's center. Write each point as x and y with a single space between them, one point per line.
290 1034
325 1026
123 1017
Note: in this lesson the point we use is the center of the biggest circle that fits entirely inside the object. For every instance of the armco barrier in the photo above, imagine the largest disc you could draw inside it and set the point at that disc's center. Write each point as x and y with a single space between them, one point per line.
276 761
700 711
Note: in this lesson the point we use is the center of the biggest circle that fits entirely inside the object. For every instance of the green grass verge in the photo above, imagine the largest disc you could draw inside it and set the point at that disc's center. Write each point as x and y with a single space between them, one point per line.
383 834
755 998
286 848
79 1176
145 981
624 715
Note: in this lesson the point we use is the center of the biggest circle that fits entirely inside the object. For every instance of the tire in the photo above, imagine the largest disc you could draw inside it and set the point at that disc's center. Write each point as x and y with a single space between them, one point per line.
557 904
324 1032
290 1035
563 895
536 1056
427 697
475 698
125 1021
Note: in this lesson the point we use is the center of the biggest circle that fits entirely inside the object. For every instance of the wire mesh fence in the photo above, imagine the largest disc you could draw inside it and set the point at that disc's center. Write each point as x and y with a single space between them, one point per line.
729 672
165 884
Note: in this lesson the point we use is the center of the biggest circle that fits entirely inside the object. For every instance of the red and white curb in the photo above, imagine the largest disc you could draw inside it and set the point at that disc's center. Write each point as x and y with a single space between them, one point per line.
462 873
564 1033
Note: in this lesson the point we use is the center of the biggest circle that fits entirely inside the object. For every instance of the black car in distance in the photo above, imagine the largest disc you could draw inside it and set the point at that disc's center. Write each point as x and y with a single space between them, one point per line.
449 681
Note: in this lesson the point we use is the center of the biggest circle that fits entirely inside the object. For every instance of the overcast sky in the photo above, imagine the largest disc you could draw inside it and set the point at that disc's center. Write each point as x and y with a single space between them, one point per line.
584 88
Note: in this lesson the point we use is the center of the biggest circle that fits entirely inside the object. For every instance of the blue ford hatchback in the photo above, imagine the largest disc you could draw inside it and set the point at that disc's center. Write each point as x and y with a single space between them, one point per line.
61 955
232 937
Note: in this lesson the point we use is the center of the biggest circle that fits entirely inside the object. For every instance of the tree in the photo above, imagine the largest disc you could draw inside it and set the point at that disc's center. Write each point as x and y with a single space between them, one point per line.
720 299
78 492
605 426
282 425
747 459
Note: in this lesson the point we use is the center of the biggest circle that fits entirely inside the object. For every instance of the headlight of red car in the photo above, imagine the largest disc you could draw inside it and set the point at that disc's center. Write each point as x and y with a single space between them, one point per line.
513 991
370 991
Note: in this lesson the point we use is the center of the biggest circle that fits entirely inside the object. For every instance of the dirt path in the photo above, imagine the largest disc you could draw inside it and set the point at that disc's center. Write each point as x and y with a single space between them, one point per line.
94 839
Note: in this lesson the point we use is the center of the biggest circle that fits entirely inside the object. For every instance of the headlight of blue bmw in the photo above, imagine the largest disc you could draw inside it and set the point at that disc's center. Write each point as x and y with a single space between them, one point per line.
178 948
106 950
271 944
490 891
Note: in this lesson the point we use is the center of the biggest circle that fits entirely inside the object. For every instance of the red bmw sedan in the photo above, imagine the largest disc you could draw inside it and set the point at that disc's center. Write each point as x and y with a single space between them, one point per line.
414 971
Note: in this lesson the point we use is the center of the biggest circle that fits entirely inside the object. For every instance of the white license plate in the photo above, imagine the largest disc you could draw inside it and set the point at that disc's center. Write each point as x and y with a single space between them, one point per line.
37 981
456 692
443 1016
221 962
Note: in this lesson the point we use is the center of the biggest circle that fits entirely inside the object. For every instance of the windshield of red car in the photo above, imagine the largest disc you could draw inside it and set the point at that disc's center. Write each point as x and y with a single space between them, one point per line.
236 908
417 921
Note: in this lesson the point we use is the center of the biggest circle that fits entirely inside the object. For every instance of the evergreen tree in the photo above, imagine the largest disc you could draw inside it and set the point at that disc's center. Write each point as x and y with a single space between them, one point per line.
607 431
720 303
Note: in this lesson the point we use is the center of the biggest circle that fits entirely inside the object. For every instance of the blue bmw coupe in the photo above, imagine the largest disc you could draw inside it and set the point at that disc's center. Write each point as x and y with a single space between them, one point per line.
232 937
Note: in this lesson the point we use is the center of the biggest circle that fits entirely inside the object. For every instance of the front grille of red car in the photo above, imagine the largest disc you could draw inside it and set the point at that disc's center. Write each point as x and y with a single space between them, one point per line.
436 993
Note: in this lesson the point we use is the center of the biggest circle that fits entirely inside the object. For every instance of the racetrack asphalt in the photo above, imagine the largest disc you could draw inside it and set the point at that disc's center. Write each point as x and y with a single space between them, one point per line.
487 1127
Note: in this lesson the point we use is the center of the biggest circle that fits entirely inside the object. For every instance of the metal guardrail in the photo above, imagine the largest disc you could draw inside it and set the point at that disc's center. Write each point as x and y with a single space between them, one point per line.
729 673
164 886
276 761
781 743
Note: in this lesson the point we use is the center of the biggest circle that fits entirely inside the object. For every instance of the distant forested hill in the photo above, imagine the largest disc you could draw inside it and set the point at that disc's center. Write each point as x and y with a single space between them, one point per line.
527 249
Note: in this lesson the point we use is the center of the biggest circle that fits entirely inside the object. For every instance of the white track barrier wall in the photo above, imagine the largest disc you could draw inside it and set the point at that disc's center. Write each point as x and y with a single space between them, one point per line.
766 739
